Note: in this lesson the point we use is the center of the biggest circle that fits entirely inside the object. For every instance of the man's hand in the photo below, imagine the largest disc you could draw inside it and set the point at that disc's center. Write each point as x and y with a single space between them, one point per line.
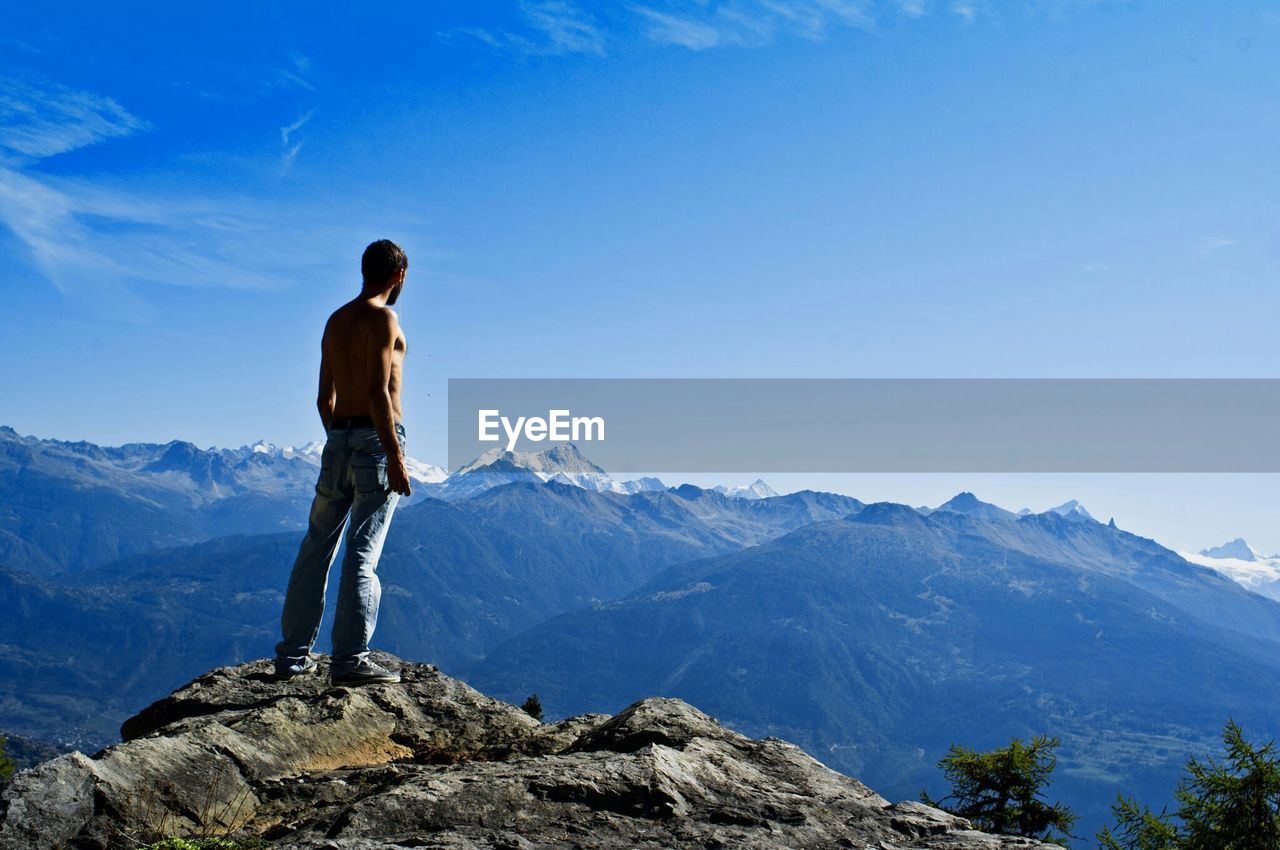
398 478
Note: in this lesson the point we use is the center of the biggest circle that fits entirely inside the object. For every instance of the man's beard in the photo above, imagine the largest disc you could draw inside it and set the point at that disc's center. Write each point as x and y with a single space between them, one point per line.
395 294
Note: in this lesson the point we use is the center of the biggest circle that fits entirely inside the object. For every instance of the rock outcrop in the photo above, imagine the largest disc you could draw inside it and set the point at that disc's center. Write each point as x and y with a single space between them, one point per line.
431 762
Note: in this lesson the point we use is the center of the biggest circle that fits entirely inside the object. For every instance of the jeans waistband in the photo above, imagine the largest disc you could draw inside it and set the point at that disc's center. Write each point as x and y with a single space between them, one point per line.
345 423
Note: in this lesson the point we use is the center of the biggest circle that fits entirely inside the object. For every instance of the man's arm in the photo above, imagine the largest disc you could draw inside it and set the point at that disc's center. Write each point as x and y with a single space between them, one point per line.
380 344
327 396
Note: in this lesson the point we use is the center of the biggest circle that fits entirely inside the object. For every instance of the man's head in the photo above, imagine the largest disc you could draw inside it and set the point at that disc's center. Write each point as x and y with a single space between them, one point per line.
383 266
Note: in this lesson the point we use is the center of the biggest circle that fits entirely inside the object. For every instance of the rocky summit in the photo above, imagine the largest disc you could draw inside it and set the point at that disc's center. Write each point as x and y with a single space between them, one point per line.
433 763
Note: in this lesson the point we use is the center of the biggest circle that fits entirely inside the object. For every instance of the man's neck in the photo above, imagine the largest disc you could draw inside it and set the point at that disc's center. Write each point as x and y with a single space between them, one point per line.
375 298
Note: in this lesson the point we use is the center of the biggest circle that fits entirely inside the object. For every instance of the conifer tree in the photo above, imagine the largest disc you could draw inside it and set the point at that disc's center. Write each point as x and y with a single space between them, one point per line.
1000 790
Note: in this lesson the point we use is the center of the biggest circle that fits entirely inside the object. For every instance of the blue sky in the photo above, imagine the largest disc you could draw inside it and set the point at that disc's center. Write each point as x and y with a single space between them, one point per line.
756 188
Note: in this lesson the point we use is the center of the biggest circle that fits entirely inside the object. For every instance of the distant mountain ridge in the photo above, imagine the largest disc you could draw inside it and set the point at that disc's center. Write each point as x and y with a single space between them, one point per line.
423 473
1237 549
1246 565
563 464
879 639
73 505
1073 511
969 504
757 489
457 578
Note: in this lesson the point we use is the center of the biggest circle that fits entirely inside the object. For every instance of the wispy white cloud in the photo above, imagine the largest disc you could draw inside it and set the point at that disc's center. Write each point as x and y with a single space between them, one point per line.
88 236
559 26
94 240
971 10
851 13
291 148
965 9
83 235
290 154
804 20
665 28
289 129
567 28
39 119
553 27
751 22
497 39
1209 244
295 75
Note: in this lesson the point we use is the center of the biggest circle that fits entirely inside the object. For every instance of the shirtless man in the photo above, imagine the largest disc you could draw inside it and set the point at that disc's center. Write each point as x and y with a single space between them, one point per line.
362 473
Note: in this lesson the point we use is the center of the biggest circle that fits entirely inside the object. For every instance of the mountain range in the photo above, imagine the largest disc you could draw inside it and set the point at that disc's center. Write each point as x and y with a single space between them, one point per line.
457 578
873 635
877 640
68 506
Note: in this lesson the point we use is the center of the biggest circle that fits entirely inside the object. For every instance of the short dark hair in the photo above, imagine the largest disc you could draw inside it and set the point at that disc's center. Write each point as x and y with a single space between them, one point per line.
381 260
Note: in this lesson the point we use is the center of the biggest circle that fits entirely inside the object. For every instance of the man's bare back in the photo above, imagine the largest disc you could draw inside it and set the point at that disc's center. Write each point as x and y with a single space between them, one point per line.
361 369
352 337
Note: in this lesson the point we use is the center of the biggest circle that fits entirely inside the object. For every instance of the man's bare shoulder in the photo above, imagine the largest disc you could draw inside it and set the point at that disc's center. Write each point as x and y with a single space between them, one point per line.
381 320
363 314
361 320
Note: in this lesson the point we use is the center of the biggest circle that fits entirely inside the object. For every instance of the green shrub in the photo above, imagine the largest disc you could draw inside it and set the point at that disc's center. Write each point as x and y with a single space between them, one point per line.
533 707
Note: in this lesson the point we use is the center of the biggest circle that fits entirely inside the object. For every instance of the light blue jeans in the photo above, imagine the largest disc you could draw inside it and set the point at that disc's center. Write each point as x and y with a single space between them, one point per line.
352 489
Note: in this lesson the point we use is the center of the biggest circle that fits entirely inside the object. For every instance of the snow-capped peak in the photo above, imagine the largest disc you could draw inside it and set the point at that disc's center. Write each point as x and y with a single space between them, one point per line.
1237 549
309 452
641 485
1240 561
755 490
561 464
1072 510
426 473
967 503
564 458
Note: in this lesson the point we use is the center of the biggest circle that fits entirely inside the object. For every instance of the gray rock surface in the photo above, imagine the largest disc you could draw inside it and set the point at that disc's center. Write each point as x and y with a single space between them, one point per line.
433 763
